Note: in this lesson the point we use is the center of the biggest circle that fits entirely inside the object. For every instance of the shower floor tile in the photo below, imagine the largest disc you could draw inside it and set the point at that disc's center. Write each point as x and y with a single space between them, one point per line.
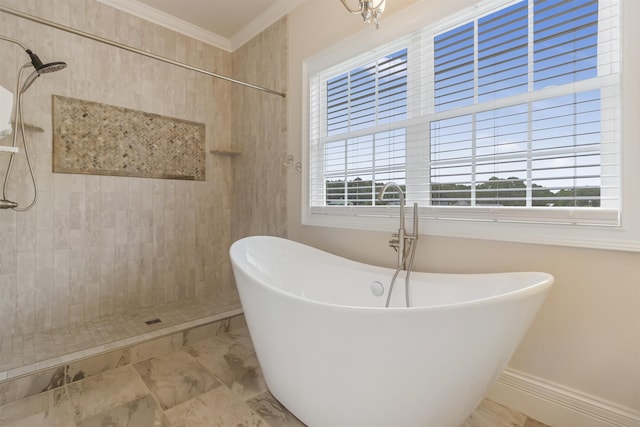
18 356
215 382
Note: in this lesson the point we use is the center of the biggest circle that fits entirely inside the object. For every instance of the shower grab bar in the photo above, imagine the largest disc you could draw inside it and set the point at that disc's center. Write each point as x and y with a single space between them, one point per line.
133 49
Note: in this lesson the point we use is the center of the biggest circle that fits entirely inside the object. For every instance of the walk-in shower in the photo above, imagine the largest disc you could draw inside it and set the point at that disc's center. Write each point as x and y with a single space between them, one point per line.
103 264
21 88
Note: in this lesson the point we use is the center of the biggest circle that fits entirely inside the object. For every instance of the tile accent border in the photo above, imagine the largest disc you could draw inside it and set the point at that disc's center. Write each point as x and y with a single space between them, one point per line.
83 364
100 139
558 405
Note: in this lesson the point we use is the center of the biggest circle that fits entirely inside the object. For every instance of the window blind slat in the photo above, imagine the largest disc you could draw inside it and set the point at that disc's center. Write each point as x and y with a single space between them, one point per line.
503 110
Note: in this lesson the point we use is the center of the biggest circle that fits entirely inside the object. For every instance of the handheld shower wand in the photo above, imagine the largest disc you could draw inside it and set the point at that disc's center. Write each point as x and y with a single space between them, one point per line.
39 68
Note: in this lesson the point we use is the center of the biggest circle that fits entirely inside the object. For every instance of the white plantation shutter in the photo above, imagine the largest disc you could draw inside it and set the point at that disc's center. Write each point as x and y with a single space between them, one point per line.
360 144
503 113
454 68
503 47
565 42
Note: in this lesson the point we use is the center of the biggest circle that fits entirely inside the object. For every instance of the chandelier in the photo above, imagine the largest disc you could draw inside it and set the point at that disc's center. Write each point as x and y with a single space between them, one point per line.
367 9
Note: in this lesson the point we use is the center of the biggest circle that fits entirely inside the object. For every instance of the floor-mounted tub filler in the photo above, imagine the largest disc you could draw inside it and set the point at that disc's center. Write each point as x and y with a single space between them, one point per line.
336 357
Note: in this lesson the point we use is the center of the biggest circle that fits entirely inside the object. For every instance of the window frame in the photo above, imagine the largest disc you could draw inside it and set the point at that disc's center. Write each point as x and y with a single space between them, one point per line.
450 222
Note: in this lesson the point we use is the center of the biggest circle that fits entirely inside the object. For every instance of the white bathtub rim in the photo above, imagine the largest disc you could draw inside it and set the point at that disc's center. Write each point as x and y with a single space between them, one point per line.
542 285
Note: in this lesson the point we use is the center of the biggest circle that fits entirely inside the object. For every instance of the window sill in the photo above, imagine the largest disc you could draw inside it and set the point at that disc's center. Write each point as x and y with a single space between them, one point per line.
585 236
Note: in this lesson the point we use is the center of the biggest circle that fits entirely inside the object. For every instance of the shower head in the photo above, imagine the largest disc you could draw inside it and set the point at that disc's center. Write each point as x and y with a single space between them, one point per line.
44 68
35 61
40 68
52 66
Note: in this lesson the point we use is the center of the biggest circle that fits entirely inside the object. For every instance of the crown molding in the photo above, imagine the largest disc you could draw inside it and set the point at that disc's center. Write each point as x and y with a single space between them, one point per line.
263 21
170 22
279 9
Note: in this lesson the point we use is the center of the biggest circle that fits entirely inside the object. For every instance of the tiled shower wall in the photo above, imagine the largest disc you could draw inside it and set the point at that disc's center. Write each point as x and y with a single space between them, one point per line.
260 132
97 245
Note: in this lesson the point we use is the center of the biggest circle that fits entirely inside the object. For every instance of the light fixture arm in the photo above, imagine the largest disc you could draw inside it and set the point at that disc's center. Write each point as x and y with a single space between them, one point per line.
367 9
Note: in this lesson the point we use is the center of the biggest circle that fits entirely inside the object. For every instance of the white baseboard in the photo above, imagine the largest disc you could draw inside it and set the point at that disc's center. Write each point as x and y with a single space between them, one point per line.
556 405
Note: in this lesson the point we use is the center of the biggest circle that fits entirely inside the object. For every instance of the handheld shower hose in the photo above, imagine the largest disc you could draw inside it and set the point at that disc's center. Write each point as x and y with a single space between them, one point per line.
40 68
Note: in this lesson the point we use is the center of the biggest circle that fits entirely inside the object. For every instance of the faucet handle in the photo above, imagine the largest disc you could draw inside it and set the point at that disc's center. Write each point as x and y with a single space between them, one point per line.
394 243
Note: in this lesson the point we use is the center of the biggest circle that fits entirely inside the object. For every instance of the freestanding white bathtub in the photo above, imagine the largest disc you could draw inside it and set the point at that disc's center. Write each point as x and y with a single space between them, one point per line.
336 357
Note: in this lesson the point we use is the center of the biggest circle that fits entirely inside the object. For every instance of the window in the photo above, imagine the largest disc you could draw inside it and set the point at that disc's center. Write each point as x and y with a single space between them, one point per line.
544 152
507 115
364 98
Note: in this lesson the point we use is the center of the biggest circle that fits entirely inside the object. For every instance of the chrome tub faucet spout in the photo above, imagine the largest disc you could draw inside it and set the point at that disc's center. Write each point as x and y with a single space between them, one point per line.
401 240
404 243
397 241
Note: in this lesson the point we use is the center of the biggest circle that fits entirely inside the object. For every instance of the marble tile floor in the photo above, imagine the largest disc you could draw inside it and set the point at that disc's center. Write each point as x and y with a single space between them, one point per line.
28 353
215 382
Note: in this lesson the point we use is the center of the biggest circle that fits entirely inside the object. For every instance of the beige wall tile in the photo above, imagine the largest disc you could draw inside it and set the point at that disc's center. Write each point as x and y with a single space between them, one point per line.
111 243
260 132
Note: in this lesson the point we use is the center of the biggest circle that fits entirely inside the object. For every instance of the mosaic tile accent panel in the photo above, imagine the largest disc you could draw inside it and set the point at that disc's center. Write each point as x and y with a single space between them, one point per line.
99 139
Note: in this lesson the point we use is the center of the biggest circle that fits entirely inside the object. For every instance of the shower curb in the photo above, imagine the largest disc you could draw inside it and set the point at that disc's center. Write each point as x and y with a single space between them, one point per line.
47 375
